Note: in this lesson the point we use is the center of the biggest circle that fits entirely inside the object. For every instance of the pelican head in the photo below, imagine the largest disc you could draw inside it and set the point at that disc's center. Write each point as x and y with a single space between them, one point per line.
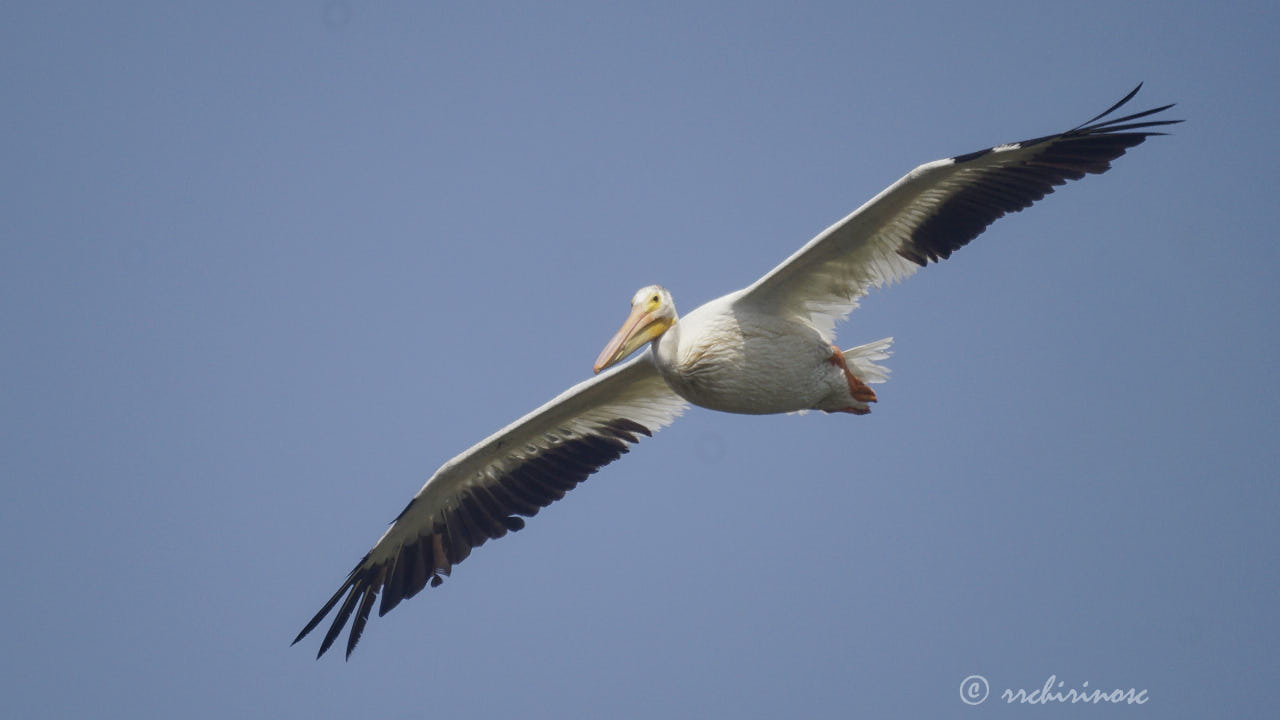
653 312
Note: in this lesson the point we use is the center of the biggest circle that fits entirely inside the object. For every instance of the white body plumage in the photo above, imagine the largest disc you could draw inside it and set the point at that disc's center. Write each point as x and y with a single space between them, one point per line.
727 356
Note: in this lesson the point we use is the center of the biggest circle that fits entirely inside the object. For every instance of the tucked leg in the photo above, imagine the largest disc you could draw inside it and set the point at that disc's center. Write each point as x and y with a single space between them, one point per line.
858 389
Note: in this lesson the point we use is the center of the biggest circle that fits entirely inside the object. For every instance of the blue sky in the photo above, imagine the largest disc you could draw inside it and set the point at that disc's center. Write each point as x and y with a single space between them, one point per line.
263 269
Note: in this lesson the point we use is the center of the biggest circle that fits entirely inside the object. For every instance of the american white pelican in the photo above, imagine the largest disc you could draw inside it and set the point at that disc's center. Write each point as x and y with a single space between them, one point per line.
765 349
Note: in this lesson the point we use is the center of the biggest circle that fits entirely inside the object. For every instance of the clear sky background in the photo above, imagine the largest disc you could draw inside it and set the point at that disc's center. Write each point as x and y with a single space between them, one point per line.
264 268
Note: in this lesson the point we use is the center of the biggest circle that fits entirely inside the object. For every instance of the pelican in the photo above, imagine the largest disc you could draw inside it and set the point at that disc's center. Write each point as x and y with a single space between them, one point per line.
768 348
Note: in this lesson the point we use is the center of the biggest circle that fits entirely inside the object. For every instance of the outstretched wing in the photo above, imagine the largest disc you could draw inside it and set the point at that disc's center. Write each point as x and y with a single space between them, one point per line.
935 210
482 493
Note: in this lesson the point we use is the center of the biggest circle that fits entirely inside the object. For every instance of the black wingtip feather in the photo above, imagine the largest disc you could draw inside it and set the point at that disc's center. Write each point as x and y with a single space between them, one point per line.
320 615
362 617
1111 109
394 585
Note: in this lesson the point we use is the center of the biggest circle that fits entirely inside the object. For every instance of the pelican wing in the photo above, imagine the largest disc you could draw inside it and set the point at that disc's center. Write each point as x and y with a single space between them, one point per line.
482 493
935 210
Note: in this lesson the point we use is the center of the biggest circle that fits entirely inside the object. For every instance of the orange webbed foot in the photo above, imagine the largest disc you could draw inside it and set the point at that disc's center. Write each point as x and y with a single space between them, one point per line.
858 389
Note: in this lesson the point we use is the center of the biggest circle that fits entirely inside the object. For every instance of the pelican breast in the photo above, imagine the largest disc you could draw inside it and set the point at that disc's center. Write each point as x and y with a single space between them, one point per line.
724 356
